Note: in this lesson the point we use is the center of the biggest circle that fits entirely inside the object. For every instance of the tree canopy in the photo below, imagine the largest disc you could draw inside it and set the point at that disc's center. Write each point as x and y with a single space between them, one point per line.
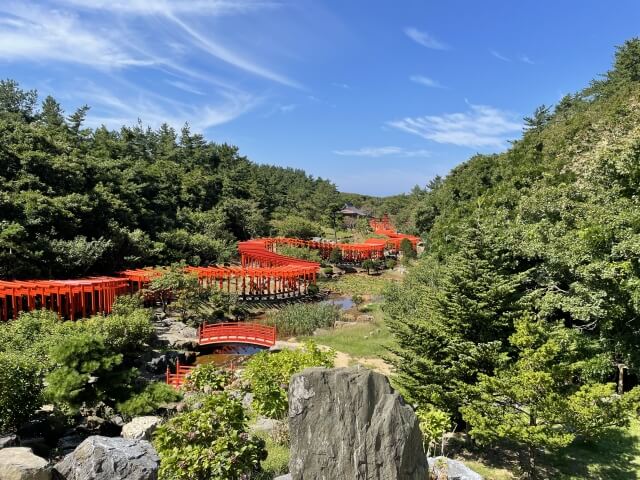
77 200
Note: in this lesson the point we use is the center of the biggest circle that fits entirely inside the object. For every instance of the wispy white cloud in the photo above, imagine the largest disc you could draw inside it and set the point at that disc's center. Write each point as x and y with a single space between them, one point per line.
426 81
425 39
345 86
499 56
388 151
152 109
175 11
177 7
481 126
225 54
29 32
526 59
184 87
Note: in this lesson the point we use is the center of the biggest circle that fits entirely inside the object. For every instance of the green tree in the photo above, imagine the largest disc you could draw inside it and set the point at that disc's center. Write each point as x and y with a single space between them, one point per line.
297 227
450 320
86 372
536 400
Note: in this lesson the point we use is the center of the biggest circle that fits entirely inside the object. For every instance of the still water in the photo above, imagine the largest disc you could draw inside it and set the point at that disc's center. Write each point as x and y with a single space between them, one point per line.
224 355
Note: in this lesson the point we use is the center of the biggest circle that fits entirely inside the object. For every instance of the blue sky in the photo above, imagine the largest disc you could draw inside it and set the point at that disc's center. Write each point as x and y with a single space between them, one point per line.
375 95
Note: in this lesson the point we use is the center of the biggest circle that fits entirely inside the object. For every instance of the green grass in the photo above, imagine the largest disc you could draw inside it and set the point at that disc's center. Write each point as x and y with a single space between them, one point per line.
614 457
356 284
368 339
277 461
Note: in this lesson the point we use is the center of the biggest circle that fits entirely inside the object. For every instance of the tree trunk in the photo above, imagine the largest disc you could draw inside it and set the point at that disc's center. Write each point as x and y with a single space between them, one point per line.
621 367
531 467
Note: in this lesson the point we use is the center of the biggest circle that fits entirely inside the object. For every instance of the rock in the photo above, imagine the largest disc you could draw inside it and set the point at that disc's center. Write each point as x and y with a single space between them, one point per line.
19 463
38 445
68 443
283 477
349 423
267 425
341 324
117 420
104 458
176 335
365 318
140 428
443 468
9 441
247 400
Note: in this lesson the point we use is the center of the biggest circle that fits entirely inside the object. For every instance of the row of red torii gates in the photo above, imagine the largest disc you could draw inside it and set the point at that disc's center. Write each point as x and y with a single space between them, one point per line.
262 274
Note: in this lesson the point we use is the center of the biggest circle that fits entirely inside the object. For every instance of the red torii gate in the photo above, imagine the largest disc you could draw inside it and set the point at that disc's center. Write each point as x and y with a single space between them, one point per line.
69 298
263 273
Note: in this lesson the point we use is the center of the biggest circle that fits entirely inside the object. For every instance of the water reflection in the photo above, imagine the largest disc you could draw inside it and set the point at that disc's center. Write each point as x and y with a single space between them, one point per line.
345 303
227 354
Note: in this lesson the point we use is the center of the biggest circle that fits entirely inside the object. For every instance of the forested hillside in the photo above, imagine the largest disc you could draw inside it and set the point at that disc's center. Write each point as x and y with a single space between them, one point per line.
524 312
75 200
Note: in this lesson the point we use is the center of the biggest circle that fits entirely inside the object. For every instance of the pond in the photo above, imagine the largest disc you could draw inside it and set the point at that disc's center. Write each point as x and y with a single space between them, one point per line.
225 355
345 303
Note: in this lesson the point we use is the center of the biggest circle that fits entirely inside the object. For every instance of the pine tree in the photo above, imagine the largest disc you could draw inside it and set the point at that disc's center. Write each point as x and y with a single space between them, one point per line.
537 401
449 320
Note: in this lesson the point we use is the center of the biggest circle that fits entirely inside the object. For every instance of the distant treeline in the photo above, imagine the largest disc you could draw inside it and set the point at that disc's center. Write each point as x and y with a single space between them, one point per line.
76 200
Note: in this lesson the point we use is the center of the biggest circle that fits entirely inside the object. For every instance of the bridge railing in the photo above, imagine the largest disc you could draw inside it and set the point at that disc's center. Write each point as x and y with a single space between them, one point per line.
177 379
252 333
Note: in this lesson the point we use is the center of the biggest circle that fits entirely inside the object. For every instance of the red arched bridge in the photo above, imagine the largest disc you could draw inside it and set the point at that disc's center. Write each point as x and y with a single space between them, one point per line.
222 333
237 332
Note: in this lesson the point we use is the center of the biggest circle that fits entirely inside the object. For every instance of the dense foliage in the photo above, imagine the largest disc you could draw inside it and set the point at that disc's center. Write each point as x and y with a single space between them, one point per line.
549 231
209 443
207 378
20 390
304 318
87 361
148 400
75 200
269 375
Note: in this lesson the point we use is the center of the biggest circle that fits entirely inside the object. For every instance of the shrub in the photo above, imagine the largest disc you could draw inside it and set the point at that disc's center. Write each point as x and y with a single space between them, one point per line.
30 335
149 400
209 443
300 252
407 249
269 375
126 304
390 263
123 333
328 271
209 377
434 423
86 371
335 256
297 227
357 299
20 389
313 289
304 318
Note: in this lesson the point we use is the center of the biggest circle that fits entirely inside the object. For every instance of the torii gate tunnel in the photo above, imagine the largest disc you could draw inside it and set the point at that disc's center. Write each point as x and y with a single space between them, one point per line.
263 274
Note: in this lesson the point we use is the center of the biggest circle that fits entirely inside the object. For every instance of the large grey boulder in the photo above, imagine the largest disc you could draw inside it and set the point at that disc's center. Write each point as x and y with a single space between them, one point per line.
110 458
19 463
141 428
348 423
443 468
9 441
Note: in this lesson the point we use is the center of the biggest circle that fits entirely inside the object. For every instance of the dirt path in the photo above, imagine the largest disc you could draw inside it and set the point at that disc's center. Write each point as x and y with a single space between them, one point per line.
345 360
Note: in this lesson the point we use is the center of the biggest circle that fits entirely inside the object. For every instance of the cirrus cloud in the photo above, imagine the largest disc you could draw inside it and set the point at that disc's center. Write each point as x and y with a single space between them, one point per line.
388 151
482 126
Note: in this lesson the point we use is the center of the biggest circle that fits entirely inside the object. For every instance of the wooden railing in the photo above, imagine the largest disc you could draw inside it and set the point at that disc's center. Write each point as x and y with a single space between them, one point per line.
251 333
177 379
